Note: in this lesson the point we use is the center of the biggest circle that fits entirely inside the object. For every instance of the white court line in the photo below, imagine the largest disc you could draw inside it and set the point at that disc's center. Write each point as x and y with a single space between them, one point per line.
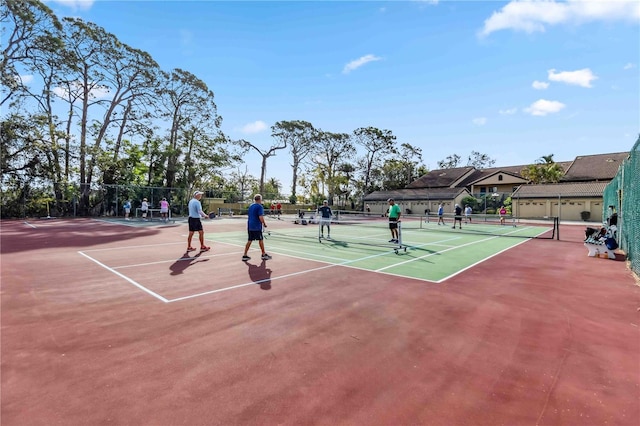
332 265
454 248
132 247
436 253
479 262
135 265
28 224
141 287
251 283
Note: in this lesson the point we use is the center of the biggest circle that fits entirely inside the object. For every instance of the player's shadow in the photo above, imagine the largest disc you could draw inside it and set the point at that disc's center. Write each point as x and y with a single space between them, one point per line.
260 274
184 262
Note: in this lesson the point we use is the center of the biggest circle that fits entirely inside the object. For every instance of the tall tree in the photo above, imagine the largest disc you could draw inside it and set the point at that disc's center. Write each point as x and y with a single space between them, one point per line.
280 144
27 26
410 158
451 162
298 136
187 103
377 145
480 161
108 77
331 150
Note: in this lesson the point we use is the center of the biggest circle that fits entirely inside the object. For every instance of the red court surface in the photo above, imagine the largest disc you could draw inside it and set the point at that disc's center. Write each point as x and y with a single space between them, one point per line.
540 334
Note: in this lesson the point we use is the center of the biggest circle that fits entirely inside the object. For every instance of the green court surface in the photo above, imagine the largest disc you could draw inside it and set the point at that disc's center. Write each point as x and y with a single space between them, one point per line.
429 252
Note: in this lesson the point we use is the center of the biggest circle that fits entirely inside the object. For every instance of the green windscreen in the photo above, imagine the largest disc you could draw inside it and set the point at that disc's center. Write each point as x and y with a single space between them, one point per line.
623 192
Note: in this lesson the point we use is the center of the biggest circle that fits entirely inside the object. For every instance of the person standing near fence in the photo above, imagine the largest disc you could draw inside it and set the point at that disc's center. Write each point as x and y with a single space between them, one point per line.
503 214
255 224
195 222
325 214
127 209
144 208
394 218
164 209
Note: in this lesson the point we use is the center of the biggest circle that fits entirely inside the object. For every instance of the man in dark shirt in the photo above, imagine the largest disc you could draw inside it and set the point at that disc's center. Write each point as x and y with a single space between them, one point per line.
325 219
458 217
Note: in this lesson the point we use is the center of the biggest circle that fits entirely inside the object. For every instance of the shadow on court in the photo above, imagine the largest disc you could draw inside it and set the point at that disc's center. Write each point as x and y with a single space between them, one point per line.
178 267
260 274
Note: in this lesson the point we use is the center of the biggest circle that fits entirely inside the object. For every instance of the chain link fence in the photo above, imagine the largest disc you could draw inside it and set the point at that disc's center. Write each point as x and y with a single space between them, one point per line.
623 194
44 200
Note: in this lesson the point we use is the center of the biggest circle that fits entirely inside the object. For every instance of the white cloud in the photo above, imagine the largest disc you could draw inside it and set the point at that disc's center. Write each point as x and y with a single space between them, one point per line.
353 65
95 93
628 66
255 127
535 16
539 85
509 111
25 79
582 77
76 4
543 107
480 121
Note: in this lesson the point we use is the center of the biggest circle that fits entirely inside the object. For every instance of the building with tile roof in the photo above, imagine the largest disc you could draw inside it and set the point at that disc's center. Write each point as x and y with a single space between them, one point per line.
577 196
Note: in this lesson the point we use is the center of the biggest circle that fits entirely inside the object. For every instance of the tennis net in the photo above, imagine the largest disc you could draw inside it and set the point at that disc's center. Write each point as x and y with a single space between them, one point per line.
519 227
373 229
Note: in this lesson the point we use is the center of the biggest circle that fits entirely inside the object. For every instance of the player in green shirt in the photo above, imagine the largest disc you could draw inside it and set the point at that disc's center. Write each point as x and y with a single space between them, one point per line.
394 218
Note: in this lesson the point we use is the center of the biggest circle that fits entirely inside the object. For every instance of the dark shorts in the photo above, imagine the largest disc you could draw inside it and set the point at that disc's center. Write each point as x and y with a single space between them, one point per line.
255 235
458 218
195 224
393 223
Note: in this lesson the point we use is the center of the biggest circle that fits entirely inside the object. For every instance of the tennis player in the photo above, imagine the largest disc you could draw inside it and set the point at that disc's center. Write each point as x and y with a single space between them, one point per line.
164 209
458 216
394 218
143 208
127 209
255 224
325 219
195 224
440 214
503 214
467 213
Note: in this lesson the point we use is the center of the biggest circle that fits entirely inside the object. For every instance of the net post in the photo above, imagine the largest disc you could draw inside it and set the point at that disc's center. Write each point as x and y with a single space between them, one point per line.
556 227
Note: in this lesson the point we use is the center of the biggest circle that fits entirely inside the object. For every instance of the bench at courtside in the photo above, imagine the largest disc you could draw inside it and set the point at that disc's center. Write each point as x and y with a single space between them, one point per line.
225 211
596 242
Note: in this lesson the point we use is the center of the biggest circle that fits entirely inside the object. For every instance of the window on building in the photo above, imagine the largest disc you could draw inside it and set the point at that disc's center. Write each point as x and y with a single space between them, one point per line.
499 177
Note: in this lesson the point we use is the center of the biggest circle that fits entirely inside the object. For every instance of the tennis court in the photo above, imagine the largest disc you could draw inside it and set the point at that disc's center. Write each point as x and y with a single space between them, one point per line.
107 322
427 251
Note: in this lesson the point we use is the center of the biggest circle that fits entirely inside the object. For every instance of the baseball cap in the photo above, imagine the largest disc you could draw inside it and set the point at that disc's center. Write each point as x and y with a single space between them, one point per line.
197 193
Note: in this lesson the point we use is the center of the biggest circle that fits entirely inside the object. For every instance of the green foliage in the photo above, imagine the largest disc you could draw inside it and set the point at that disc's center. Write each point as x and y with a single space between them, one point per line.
473 202
544 171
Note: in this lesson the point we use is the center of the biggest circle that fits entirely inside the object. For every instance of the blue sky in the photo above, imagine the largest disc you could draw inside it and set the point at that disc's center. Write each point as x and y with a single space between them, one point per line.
513 80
